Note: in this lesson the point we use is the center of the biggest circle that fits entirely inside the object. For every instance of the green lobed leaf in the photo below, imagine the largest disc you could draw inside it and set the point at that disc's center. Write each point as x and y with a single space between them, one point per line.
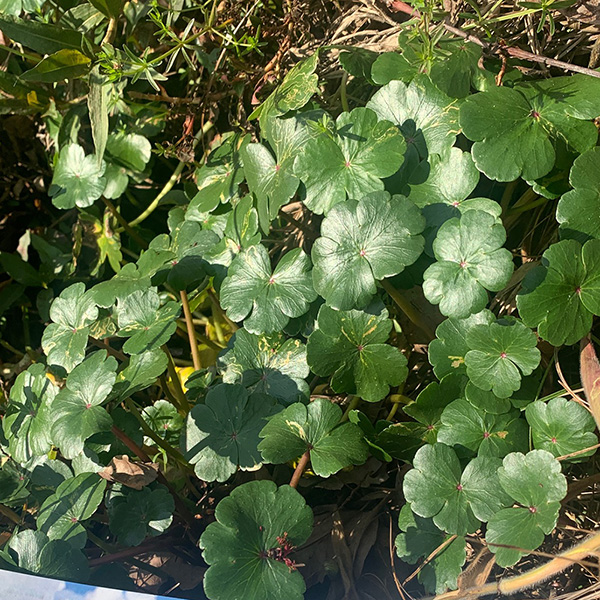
135 515
561 427
351 345
427 117
578 211
141 372
466 427
267 298
535 481
362 242
75 500
77 409
437 487
164 419
222 434
146 323
500 353
447 351
78 179
316 427
267 364
470 261
256 526
64 341
561 296
29 415
349 162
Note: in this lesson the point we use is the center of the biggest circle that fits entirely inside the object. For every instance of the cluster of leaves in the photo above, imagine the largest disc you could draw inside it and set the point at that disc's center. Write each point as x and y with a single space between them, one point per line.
400 192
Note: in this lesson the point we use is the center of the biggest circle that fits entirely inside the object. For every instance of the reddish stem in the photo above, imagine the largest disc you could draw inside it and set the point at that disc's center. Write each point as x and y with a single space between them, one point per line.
302 464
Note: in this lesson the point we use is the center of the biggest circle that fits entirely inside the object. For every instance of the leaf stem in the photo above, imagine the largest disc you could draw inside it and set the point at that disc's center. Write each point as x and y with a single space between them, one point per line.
190 329
9 513
172 180
126 227
111 31
354 402
407 308
302 464
344 92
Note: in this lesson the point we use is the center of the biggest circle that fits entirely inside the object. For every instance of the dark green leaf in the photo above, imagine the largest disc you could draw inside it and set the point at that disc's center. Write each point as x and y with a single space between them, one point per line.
64 64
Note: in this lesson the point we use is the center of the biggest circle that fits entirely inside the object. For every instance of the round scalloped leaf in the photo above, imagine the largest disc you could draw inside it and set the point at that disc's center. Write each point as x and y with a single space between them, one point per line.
352 346
578 211
427 409
267 364
513 128
32 551
222 434
561 427
264 297
470 261
78 179
467 428
141 372
561 296
486 401
349 162
420 538
128 280
499 354
77 409
248 548
65 339
146 323
75 500
219 178
272 178
316 427
457 501
447 351
135 515
535 481
29 415
131 150
362 242
427 117
164 419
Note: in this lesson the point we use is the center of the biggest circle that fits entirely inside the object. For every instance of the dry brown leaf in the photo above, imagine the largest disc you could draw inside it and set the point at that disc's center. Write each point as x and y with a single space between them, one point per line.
134 475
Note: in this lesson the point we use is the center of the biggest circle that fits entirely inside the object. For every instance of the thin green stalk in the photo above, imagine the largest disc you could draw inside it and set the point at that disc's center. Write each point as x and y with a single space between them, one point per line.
172 180
125 226
344 92
354 402
189 324
202 339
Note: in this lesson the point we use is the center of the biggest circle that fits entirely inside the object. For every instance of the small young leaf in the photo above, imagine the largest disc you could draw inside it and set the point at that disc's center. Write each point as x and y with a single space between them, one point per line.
222 434
78 179
351 345
131 150
362 242
75 500
419 539
147 324
499 353
164 419
561 296
456 500
448 350
65 339
134 515
258 525
316 427
561 427
270 297
267 364
77 410
470 261
351 161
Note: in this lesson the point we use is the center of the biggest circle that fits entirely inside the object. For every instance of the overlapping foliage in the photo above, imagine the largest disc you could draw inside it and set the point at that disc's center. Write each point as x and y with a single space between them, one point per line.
400 193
